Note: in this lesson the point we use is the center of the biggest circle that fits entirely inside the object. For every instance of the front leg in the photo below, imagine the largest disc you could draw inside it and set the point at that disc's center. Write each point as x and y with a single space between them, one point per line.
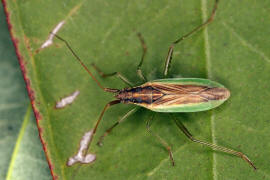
144 47
117 74
170 52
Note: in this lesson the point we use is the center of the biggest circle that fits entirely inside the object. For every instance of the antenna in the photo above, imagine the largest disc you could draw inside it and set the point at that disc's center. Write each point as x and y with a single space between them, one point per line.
84 66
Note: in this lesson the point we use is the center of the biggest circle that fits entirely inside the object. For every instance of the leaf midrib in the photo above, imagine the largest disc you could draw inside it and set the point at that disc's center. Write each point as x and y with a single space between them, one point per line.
18 142
209 76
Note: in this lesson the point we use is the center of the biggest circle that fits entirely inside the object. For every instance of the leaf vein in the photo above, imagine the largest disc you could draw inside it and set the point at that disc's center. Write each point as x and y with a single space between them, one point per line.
155 169
246 43
209 75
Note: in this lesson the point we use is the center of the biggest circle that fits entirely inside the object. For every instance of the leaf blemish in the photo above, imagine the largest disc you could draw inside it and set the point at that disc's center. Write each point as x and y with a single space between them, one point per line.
81 157
67 100
49 41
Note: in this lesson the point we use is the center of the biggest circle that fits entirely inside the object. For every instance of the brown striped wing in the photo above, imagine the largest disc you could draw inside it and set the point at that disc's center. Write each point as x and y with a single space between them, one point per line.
179 94
185 94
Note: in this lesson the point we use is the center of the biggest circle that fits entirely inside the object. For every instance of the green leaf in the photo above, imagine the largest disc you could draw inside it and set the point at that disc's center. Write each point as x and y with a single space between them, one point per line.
21 152
233 51
28 160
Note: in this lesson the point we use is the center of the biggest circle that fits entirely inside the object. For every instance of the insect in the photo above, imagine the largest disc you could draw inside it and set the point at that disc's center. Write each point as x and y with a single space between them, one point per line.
169 95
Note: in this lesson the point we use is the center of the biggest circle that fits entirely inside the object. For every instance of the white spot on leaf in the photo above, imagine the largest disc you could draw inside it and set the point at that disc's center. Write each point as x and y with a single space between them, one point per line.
67 100
80 157
49 41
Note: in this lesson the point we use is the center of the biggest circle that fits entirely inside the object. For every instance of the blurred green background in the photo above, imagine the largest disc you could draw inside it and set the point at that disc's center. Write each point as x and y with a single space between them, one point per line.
21 153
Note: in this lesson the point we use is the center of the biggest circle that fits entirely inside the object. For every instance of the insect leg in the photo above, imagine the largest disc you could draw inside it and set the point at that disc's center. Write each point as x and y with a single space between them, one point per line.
213 146
119 75
162 141
115 124
84 66
100 117
170 52
139 71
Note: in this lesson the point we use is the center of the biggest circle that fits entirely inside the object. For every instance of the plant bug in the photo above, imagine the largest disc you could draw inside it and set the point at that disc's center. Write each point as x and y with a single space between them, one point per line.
169 95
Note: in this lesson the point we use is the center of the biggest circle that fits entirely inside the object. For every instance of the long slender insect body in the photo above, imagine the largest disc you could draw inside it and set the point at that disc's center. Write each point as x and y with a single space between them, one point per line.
166 95
176 95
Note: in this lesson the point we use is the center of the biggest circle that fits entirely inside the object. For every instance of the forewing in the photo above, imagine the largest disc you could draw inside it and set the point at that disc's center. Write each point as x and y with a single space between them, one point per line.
167 88
178 99
181 94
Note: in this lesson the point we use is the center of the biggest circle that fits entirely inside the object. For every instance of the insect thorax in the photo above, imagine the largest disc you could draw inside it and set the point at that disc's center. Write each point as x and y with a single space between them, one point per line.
139 95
